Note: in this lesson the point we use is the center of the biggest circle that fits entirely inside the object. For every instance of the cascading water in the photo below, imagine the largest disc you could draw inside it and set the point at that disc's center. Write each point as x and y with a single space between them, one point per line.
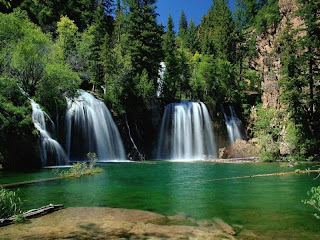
90 128
233 124
50 148
186 132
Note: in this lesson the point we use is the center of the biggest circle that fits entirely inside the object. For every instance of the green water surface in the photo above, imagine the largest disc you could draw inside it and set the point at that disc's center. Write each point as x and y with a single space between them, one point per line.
269 206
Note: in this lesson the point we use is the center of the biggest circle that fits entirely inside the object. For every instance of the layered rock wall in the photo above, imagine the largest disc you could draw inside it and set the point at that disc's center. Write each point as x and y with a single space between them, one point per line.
269 62
268 58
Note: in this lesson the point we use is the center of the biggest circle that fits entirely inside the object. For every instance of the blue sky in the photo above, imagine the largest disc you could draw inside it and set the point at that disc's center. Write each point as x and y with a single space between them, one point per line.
194 9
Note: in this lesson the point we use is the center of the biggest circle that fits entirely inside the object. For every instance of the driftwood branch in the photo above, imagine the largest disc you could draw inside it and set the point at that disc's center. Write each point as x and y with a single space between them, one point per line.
249 176
28 182
317 178
141 157
234 160
32 213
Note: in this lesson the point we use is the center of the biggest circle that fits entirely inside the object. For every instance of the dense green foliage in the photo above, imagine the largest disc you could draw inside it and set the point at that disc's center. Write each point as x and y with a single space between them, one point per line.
268 16
260 14
300 77
15 110
268 128
115 48
10 203
16 127
171 75
35 61
32 61
298 49
19 218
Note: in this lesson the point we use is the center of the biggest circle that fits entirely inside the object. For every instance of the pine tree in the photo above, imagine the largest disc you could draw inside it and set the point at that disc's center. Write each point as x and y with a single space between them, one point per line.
101 27
171 75
152 40
183 26
119 22
192 40
206 35
241 18
291 82
218 31
144 45
309 44
251 10
223 30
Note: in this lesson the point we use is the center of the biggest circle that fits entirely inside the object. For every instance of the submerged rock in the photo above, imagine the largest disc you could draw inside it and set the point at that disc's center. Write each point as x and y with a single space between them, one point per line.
225 226
248 235
108 223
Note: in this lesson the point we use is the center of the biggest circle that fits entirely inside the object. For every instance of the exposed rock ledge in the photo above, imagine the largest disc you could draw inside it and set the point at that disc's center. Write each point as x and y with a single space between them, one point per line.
113 223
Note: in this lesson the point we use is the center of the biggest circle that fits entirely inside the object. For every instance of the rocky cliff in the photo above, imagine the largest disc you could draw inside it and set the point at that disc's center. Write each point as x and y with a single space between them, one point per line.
268 61
268 58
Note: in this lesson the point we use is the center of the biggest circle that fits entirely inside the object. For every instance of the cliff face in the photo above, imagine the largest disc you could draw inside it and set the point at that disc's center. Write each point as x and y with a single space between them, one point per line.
268 60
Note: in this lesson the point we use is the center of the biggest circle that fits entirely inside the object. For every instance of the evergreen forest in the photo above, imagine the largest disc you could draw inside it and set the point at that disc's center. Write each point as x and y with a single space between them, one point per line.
116 49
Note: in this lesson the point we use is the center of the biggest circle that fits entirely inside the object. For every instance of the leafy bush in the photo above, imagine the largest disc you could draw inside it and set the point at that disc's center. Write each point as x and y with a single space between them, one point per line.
19 218
267 128
314 200
10 203
93 158
80 169
35 61
267 156
15 109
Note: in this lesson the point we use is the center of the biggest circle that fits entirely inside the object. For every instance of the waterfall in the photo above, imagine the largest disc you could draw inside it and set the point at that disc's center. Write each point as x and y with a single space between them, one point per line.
90 128
50 150
186 132
233 124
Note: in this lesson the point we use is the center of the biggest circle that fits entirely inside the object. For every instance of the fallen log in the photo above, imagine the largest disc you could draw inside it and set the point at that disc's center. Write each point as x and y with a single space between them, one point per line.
235 160
248 176
32 213
29 182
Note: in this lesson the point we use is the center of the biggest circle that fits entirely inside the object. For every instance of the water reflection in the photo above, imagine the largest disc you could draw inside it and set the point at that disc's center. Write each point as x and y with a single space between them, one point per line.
262 204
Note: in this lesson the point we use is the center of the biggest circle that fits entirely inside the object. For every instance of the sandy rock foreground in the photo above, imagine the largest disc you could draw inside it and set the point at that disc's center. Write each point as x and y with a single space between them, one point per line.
113 223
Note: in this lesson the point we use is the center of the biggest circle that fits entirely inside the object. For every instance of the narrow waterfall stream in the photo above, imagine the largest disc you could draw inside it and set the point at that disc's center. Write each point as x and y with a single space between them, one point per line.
233 124
51 152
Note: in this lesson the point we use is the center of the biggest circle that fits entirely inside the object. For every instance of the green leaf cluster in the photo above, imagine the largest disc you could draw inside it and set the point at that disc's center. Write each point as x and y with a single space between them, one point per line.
268 127
314 200
35 61
15 116
10 203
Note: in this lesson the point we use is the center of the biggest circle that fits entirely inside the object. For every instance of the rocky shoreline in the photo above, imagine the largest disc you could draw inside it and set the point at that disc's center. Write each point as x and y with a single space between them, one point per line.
117 223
